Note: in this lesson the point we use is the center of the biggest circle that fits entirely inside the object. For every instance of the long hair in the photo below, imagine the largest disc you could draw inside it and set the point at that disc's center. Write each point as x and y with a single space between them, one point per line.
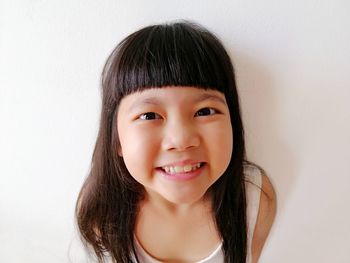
175 54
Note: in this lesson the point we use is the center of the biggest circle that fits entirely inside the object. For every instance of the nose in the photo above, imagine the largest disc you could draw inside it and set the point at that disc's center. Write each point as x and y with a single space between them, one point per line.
180 136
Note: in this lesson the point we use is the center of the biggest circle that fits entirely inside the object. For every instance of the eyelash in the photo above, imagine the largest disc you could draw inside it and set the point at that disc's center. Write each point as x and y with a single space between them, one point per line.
145 114
212 111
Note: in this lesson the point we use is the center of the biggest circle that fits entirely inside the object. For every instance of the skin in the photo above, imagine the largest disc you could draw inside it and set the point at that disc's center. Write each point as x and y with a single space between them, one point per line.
184 123
160 126
265 218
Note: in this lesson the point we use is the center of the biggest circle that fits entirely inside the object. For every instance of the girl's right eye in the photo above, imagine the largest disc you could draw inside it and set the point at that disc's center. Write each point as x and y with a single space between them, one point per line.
149 116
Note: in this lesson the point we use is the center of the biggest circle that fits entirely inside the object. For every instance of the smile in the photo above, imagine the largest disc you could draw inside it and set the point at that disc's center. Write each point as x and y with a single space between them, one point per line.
181 169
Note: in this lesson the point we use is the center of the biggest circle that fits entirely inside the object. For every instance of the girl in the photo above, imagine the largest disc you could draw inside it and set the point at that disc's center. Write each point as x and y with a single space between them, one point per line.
169 181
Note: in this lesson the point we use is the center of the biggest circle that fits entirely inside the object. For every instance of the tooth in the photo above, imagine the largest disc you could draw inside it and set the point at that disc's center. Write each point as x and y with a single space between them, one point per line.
181 169
178 169
187 168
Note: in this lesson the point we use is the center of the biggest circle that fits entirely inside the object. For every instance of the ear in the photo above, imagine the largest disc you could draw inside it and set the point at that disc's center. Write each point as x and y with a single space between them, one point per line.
120 152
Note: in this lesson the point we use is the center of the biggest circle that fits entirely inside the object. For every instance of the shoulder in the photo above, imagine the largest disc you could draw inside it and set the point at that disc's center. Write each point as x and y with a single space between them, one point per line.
266 216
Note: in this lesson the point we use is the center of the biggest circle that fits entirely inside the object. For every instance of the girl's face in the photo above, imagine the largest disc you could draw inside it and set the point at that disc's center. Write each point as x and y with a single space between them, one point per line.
175 141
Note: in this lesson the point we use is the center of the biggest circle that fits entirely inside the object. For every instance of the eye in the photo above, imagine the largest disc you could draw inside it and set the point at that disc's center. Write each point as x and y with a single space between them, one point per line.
206 111
149 116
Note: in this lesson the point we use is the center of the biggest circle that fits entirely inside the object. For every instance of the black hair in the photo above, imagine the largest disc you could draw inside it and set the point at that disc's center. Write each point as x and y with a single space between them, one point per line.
172 54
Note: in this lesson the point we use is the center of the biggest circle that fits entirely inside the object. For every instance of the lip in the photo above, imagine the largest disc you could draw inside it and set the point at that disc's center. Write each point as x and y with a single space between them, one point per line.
182 163
182 176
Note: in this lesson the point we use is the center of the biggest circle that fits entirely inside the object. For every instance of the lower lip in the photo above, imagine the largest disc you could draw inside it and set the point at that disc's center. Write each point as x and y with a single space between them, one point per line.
181 176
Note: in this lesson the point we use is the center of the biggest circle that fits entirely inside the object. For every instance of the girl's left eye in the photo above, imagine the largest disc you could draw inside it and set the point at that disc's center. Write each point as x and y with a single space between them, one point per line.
206 112
149 116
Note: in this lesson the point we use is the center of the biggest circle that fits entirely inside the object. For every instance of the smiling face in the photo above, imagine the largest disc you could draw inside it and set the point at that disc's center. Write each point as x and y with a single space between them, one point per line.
175 141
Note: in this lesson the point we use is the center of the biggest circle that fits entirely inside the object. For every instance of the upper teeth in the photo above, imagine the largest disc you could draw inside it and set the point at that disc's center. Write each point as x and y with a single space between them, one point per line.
181 169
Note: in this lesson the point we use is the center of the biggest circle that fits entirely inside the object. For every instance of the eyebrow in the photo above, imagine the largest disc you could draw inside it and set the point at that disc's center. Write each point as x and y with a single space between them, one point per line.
155 101
207 96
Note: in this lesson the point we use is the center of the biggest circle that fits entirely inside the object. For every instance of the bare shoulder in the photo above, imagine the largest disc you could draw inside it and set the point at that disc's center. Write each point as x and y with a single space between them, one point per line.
265 218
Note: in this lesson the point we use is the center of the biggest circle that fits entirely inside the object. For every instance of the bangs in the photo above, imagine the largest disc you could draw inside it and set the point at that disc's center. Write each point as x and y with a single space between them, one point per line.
179 54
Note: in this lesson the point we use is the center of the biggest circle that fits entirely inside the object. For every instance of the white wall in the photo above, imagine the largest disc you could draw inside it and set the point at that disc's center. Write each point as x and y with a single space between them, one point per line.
292 63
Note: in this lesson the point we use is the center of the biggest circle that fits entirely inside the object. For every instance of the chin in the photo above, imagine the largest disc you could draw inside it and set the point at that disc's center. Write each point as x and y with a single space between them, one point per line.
185 199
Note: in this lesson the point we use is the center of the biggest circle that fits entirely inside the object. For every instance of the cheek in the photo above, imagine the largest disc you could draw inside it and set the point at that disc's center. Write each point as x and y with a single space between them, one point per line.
221 144
139 150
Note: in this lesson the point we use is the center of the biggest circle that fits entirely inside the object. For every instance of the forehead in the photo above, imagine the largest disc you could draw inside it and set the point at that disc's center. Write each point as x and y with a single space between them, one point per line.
172 95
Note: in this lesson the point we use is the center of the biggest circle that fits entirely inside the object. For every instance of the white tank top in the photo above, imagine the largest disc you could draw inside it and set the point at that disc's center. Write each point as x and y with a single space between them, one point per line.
253 182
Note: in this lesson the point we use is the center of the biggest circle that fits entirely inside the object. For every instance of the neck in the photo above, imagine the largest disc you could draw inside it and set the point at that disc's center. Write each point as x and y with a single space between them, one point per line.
158 203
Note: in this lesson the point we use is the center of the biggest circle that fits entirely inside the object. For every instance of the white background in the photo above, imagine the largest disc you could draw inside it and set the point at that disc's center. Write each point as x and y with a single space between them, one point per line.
292 64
